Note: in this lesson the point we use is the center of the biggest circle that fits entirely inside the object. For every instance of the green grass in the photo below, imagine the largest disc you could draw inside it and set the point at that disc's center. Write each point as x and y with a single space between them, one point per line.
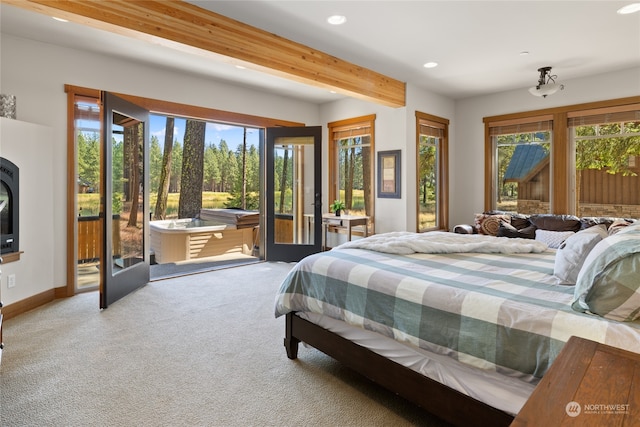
427 216
89 204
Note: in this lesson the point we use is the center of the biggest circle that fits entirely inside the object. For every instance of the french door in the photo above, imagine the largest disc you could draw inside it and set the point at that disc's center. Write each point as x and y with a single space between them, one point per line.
293 197
125 202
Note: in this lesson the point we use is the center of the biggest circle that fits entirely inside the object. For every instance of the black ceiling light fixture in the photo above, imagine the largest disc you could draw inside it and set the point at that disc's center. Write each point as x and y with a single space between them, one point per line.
546 83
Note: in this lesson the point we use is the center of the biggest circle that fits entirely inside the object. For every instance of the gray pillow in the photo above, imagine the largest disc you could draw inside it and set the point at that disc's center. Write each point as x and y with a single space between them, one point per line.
572 252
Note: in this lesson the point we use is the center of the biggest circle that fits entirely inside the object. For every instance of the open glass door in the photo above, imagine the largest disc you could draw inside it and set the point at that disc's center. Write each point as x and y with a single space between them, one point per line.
293 200
125 202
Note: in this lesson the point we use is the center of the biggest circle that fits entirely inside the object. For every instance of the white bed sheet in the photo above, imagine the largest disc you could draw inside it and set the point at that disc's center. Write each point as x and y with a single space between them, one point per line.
499 391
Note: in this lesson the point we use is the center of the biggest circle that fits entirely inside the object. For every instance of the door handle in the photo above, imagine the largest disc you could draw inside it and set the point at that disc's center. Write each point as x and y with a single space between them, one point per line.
318 200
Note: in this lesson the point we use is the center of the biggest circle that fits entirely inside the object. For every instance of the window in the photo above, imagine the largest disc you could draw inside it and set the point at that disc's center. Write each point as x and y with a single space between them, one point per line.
351 165
86 134
432 154
230 162
606 162
593 158
522 166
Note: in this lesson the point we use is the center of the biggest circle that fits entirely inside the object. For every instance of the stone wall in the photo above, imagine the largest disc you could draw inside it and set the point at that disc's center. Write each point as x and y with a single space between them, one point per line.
532 207
585 209
619 211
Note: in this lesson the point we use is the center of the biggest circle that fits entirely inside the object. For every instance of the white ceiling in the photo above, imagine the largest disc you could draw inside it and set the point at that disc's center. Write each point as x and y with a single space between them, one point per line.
476 43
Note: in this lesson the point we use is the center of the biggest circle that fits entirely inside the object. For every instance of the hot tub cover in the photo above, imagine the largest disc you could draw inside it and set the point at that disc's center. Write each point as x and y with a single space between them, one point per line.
237 217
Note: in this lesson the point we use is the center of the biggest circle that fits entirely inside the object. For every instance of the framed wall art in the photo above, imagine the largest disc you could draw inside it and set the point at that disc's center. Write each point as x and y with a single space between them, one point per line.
389 174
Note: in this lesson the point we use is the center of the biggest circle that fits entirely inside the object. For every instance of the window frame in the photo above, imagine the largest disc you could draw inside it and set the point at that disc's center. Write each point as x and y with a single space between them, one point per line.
561 167
596 117
333 182
529 125
442 185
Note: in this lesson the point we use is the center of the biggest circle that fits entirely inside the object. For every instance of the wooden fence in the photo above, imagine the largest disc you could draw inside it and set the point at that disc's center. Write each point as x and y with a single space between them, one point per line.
90 238
598 186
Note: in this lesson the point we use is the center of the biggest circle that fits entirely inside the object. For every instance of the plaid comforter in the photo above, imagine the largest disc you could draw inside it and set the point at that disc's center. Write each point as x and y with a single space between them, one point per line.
497 312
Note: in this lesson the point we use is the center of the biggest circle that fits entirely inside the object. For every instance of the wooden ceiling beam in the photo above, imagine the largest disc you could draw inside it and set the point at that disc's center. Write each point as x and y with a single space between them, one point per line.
186 27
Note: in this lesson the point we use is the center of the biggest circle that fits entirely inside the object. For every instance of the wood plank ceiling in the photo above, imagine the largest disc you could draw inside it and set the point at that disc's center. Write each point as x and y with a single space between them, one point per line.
184 26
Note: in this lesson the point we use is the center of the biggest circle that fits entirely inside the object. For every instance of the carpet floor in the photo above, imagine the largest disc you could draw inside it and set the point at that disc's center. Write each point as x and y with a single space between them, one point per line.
198 350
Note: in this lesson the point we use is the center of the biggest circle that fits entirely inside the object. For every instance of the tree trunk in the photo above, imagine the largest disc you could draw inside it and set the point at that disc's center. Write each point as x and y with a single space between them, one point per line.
344 176
244 169
283 179
165 174
366 179
190 202
578 190
424 193
349 179
135 137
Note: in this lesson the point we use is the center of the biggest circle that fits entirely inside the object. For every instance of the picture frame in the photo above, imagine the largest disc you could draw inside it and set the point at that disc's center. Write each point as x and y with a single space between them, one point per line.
389 174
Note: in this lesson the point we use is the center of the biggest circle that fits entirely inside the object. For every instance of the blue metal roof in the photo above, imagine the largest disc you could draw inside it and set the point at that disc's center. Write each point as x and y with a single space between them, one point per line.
525 158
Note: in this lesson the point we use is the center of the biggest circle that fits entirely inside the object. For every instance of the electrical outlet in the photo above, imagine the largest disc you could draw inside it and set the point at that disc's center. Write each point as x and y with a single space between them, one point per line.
11 281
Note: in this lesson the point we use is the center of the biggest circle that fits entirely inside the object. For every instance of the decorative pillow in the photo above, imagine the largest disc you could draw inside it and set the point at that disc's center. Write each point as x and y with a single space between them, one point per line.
556 222
609 283
489 224
520 221
508 230
572 252
553 239
632 228
590 221
618 225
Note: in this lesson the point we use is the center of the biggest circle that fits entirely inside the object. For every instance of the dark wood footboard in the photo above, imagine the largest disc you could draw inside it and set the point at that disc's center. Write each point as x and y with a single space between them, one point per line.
442 401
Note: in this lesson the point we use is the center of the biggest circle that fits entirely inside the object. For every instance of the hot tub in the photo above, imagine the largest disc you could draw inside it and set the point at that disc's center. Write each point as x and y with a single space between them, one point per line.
174 240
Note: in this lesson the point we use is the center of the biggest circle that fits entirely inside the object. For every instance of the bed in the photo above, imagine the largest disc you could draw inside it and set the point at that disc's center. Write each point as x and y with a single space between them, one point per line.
466 334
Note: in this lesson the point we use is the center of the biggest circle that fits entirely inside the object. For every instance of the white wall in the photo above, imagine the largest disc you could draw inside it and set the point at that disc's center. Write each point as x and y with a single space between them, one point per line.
467 148
429 103
390 134
29 147
394 129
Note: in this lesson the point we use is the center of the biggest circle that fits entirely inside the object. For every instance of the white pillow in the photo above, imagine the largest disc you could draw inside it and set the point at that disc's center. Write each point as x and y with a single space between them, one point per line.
571 254
553 239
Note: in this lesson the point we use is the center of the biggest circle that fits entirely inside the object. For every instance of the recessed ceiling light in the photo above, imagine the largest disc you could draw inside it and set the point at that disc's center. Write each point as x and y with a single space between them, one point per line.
630 8
241 67
337 19
524 53
60 19
430 65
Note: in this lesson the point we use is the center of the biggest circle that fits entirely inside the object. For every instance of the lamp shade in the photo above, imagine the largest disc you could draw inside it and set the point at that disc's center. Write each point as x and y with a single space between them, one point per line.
546 89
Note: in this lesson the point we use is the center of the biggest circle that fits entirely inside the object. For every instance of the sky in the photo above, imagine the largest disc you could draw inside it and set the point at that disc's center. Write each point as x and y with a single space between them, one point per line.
214 133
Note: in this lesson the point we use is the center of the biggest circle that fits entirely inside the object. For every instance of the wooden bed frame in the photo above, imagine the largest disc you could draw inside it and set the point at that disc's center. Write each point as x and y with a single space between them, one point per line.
438 399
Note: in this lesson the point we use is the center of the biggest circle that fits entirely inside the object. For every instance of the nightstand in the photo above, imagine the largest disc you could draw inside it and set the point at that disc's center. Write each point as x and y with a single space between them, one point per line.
589 384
